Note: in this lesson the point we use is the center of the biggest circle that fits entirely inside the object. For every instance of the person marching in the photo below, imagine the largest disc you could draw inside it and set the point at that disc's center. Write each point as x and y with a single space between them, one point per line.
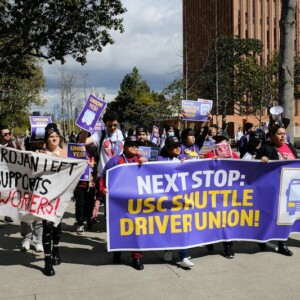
142 137
173 153
51 233
222 138
6 140
130 155
277 149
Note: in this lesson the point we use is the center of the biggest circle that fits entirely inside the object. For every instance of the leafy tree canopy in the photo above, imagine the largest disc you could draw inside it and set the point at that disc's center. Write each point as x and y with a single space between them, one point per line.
18 94
53 29
225 67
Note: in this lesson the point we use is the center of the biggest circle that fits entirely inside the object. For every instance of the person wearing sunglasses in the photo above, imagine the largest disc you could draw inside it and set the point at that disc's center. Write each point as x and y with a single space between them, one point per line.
110 141
130 155
6 140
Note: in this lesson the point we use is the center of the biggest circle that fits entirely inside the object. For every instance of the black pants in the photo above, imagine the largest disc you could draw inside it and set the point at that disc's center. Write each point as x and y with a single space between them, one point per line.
84 204
51 235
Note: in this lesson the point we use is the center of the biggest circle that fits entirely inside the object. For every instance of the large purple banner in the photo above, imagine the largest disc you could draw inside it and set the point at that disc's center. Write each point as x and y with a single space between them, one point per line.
171 205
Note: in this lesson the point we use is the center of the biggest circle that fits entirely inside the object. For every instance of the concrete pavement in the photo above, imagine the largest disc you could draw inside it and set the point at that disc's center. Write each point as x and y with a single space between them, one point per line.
87 271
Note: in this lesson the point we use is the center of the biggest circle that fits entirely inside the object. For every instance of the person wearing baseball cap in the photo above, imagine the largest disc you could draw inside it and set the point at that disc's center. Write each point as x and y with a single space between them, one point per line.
173 153
171 150
141 133
130 155
189 146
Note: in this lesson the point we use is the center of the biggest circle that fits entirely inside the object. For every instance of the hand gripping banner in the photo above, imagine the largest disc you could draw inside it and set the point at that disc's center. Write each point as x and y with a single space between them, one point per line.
36 185
171 205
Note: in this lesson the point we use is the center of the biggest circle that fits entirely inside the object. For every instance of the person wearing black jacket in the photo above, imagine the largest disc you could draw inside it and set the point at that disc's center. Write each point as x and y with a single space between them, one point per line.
278 149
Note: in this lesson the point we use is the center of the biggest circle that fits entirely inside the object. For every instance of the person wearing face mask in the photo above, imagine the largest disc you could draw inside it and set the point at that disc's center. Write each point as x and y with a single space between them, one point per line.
171 131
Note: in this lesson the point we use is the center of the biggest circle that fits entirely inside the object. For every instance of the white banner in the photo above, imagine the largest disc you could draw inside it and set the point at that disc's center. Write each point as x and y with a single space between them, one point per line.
36 185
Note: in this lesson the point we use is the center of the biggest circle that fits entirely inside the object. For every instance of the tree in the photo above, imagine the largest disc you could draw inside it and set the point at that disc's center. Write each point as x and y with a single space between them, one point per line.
297 78
17 94
225 57
68 97
256 86
133 89
54 29
286 61
173 93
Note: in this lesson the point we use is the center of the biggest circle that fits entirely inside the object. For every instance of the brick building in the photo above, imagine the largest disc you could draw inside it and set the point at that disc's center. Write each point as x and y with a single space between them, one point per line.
203 20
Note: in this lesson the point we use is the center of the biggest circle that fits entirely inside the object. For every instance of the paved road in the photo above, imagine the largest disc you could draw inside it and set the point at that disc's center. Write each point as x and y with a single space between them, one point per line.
87 271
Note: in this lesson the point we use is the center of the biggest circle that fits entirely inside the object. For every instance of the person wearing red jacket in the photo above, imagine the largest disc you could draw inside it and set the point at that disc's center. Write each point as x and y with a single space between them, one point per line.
130 155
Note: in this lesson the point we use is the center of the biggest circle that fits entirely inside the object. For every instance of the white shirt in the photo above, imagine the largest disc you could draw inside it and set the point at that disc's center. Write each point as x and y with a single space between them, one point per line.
238 135
112 145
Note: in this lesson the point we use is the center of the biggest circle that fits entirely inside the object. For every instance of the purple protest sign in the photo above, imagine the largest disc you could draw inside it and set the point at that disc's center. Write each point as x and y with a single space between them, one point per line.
207 147
38 124
155 134
151 153
173 205
91 113
78 151
99 126
196 110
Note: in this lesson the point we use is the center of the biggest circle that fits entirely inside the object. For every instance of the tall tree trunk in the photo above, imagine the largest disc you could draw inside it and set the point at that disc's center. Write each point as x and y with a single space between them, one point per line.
286 62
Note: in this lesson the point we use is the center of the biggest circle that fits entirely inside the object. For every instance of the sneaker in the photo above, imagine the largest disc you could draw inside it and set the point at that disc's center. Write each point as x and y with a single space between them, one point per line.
168 256
186 263
8 220
80 229
39 247
25 245
228 252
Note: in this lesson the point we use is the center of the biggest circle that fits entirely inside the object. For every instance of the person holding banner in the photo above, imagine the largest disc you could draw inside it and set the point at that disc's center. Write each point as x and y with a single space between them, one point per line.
222 139
6 140
130 155
277 149
189 146
51 233
32 230
174 153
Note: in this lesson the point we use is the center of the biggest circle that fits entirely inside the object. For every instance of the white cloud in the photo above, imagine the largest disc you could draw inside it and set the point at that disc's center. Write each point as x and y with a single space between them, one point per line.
152 42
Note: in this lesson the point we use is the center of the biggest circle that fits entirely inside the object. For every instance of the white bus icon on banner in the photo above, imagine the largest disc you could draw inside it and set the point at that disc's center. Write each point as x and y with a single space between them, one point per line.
293 196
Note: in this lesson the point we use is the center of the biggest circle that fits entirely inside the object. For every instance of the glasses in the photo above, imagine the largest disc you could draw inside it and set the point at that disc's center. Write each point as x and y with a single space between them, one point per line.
112 125
6 134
